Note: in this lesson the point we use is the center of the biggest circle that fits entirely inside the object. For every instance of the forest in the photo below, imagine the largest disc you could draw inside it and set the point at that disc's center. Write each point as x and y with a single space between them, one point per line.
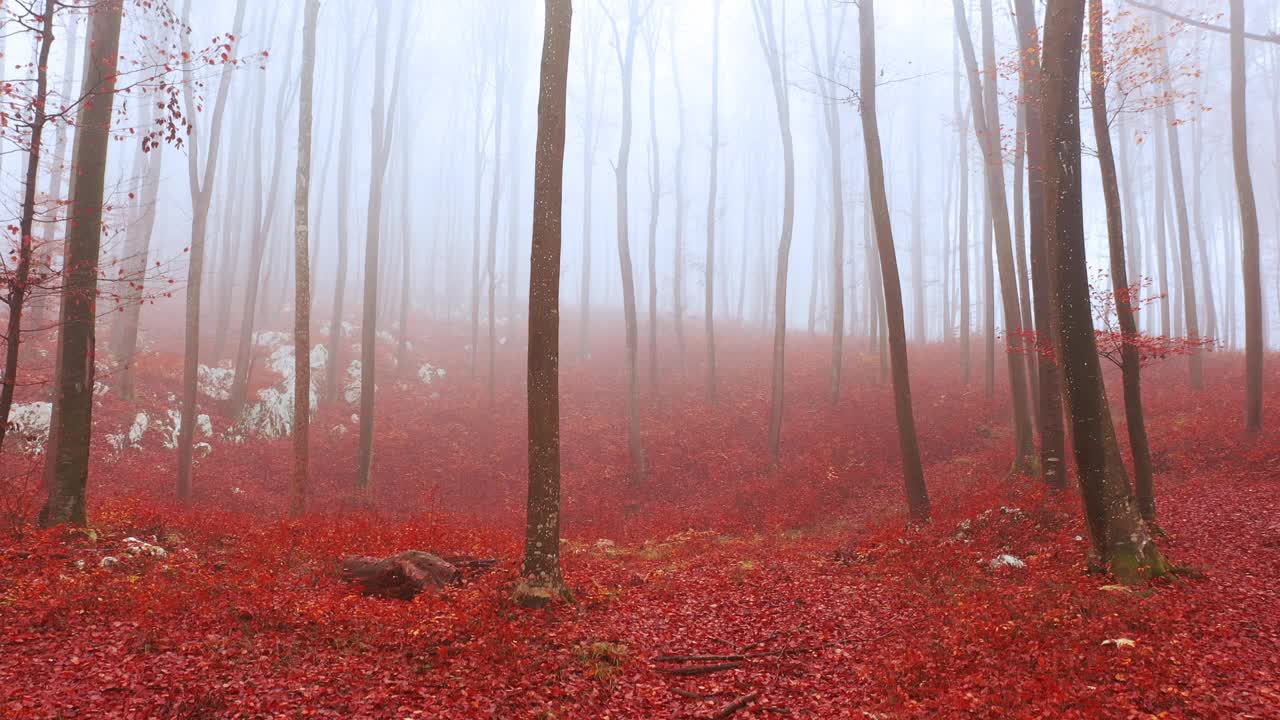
691 359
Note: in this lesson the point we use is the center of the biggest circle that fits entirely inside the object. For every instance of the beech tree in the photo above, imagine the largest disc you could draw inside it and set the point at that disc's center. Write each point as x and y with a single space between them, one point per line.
1250 256
201 185
714 175
302 276
1119 537
67 454
625 49
912 469
540 579
987 130
773 42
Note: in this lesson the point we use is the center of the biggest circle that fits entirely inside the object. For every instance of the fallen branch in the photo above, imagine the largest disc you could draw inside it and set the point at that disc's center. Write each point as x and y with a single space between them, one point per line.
701 669
699 658
693 695
736 705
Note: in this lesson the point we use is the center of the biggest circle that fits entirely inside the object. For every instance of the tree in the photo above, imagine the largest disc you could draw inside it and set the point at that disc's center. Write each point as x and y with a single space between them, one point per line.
1119 537
491 253
1250 256
540 573
912 470
18 284
655 200
826 60
201 185
774 45
67 455
1052 436
713 179
677 275
987 130
382 123
302 277
591 75
1130 368
625 49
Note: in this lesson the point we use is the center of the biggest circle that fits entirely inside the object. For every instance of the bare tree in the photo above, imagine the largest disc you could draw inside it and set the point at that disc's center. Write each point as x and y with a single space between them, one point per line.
1120 539
500 72
302 276
201 185
987 130
677 275
590 139
67 453
382 123
1130 361
625 49
912 470
773 42
1250 256
655 199
714 174
540 580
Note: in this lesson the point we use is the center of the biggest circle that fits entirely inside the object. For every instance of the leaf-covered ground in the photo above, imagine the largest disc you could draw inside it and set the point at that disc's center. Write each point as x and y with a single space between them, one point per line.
803 582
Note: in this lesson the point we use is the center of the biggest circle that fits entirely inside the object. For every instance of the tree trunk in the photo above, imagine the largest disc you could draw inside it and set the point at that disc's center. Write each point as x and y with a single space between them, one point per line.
962 225
540 573
1250 256
201 185
1119 536
495 196
677 275
1049 400
337 339
626 61
913 472
1130 368
67 454
655 201
775 50
987 130
710 268
17 296
302 270
590 68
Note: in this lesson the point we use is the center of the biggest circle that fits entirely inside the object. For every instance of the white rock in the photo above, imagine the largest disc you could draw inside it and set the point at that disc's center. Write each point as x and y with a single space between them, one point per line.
1006 560
134 546
215 382
108 561
1119 642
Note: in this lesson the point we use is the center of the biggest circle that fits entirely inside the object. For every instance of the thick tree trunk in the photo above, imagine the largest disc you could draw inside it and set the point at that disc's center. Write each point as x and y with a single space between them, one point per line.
1049 399
913 472
67 454
540 573
1130 367
1119 536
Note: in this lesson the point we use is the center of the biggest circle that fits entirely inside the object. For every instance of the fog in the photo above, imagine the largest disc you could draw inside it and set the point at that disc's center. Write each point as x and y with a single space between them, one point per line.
443 149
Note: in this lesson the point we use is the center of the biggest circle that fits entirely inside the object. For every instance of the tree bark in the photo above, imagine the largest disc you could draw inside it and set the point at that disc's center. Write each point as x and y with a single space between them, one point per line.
1130 362
987 130
67 454
913 471
677 278
540 572
710 269
1250 256
18 285
1120 539
774 46
302 270
655 202
201 185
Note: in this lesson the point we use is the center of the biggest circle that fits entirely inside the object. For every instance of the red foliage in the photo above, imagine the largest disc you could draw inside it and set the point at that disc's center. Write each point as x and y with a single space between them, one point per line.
805 573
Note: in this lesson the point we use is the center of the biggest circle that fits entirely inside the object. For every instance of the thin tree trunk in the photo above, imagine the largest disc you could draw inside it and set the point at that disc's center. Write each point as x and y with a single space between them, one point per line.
677 275
302 276
988 133
540 572
655 201
962 223
710 268
495 196
67 454
17 296
913 472
1250 256
201 185
1130 368
1049 399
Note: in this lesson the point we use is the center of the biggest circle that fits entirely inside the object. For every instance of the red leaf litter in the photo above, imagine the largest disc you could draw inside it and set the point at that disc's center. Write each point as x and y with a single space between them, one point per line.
800 590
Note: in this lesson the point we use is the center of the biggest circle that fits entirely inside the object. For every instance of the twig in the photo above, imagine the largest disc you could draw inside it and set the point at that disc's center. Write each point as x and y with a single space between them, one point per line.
736 705
693 695
699 658
701 669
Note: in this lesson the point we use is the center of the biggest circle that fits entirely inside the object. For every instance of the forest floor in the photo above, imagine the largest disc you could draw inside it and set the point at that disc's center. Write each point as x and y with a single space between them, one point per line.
806 578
